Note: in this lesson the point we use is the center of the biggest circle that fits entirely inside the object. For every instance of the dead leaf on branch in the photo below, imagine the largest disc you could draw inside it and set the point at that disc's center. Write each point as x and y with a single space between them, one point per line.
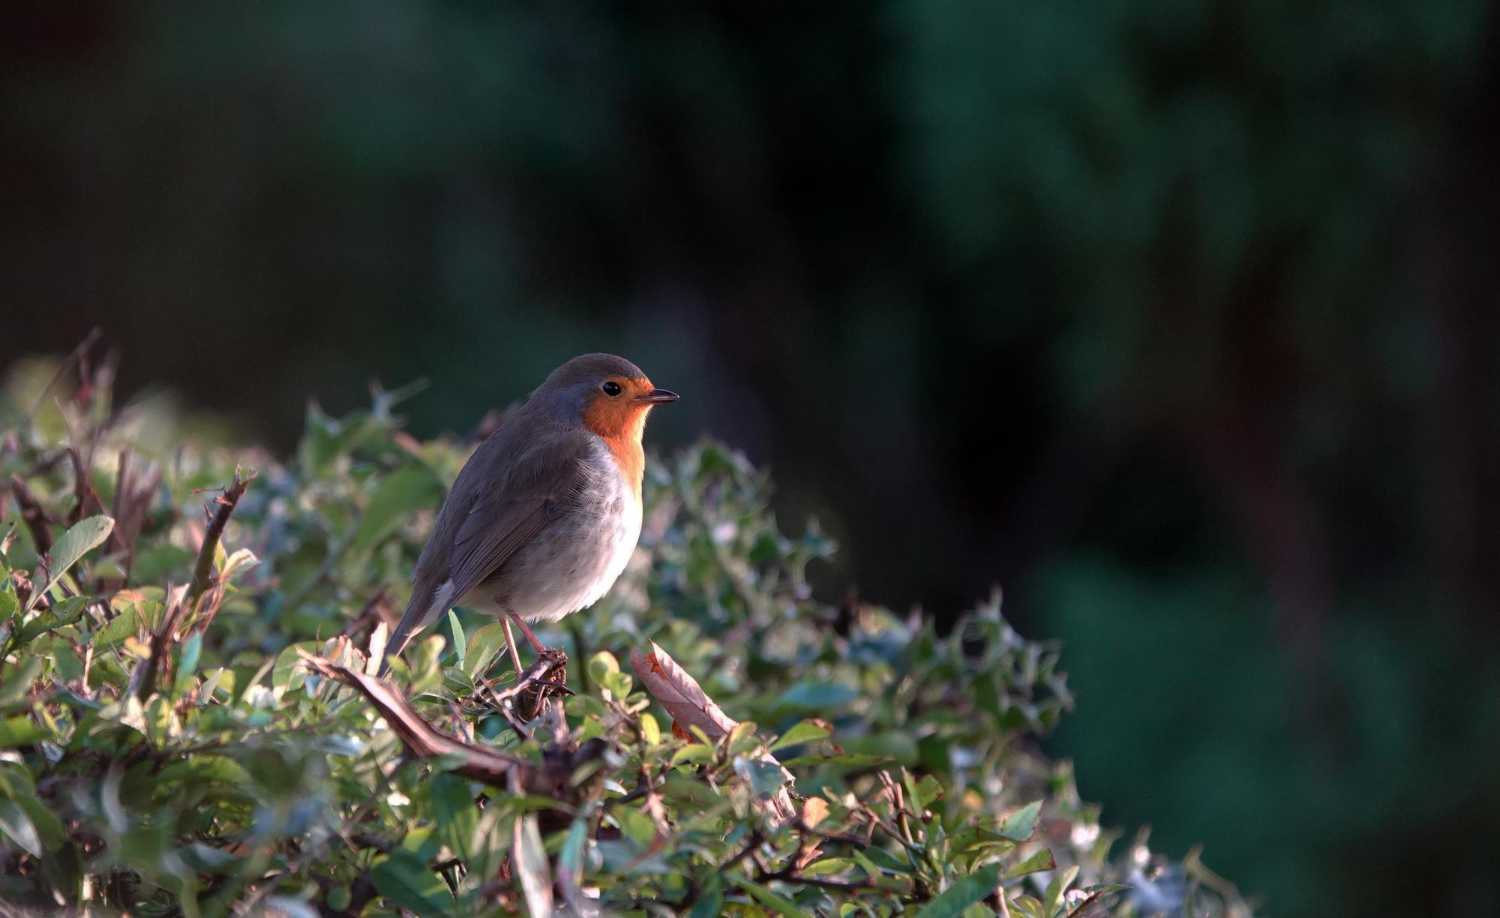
683 698
680 694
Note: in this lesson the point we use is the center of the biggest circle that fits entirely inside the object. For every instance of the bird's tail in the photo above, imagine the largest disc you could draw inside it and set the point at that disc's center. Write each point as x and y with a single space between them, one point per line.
420 612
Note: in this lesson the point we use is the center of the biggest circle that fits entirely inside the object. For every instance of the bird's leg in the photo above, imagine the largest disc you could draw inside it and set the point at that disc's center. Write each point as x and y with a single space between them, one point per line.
550 662
510 642
531 638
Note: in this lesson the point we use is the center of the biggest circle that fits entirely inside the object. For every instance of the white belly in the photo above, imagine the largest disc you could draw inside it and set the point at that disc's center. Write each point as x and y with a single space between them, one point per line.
575 559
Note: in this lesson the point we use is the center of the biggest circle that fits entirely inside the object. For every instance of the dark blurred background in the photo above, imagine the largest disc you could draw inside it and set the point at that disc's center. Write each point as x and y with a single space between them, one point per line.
1176 319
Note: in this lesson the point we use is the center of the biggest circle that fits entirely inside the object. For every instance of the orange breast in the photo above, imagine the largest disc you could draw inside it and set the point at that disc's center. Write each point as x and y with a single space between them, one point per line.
620 425
631 457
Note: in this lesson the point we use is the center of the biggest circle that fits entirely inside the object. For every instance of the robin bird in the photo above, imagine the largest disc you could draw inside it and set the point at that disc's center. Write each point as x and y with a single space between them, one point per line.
543 517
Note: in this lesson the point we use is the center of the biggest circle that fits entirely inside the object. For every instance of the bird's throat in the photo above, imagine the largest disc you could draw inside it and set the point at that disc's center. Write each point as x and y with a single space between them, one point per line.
630 457
621 431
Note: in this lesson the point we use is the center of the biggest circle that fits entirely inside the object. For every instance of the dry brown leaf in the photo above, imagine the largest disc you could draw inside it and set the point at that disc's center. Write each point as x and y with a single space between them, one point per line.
680 693
814 811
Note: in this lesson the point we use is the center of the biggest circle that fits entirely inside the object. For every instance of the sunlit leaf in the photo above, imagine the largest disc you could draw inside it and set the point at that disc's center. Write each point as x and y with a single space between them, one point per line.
1041 860
806 731
82 537
1020 825
482 647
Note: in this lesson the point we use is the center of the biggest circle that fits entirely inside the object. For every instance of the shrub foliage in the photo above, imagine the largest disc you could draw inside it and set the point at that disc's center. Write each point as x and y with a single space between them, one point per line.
167 748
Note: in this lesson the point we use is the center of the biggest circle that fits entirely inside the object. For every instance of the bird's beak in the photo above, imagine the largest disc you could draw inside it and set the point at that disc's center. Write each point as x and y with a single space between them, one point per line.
659 396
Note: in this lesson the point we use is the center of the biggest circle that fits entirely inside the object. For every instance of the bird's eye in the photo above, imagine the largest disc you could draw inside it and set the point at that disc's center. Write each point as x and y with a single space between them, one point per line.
611 388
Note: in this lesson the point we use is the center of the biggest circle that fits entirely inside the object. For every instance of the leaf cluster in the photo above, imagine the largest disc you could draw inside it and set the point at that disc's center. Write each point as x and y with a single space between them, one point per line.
166 748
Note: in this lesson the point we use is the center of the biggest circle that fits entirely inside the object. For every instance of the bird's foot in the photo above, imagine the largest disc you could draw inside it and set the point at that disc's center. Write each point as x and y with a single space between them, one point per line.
545 679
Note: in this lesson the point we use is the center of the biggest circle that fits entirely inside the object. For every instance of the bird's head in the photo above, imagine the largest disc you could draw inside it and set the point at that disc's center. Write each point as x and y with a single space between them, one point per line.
608 395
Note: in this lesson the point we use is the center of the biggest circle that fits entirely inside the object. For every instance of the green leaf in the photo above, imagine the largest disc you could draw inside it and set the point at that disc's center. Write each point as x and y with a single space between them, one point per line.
48 827
454 811
850 760
406 882
602 664
205 769
817 696
483 645
710 902
692 753
962 894
460 644
398 495
62 613
79 540
187 664
772 900
20 731
1020 825
886 860
806 731
288 673
117 630
618 683
15 824
18 679
1059 885
650 730
1041 860
828 866
570 858
971 837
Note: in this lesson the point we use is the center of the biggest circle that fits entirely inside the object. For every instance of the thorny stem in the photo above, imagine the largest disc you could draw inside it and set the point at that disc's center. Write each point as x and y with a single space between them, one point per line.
215 531
756 839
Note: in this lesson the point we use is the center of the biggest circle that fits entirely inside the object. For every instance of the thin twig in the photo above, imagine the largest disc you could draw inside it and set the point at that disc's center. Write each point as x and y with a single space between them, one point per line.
504 709
132 501
72 358
32 514
756 839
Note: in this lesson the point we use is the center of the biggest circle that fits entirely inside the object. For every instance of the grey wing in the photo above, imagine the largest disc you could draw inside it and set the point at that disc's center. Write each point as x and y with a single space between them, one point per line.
499 522
493 532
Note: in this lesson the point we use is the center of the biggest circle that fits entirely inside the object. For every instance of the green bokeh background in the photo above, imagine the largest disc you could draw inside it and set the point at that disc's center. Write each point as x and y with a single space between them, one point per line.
1176 319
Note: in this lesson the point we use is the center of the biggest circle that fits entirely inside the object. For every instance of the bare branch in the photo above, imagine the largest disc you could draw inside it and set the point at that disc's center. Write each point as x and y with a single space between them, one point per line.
76 355
417 735
134 491
552 777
